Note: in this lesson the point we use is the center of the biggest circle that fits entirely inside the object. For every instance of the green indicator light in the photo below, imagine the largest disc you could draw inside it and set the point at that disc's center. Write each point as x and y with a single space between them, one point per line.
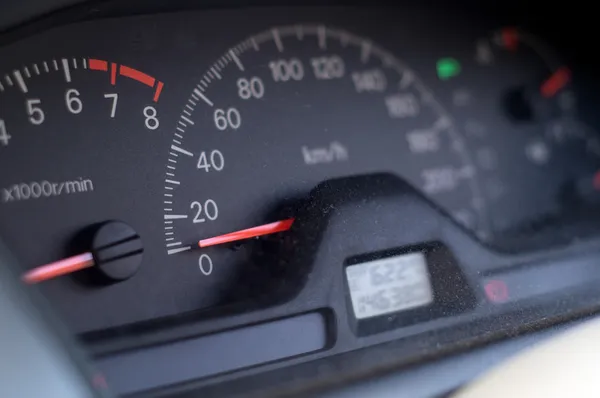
447 68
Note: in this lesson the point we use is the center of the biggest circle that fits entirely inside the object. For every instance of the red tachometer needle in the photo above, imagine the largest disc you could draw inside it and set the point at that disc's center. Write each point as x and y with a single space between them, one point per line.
58 268
267 229
556 82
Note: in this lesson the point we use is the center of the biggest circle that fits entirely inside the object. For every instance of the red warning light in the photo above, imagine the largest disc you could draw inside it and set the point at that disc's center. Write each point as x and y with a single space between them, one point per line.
496 291
99 382
596 181
510 38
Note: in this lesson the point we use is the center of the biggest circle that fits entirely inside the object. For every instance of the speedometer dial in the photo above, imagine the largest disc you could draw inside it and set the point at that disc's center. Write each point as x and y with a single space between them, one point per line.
289 108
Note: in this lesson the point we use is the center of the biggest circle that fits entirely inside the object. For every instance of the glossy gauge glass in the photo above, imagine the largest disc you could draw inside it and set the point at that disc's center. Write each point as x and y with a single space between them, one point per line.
538 159
285 110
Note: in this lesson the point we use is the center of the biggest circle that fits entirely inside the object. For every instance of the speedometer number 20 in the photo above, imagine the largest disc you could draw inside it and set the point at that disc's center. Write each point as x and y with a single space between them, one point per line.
208 208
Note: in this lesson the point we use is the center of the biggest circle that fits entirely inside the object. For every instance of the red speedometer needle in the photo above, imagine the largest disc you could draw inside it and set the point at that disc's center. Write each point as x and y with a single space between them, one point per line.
267 229
59 268
556 82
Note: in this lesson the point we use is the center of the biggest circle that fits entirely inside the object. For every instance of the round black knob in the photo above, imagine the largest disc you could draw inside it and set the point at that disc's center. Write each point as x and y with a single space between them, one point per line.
117 250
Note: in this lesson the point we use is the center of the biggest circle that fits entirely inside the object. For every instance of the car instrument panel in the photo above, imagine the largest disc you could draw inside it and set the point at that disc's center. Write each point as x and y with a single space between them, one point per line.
285 185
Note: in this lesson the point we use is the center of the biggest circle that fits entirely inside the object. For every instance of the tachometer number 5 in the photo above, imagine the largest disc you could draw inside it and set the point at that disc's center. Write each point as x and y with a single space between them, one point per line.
208 209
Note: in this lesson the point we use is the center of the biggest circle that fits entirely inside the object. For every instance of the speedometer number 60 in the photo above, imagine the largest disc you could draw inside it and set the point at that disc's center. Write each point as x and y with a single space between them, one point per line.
227 119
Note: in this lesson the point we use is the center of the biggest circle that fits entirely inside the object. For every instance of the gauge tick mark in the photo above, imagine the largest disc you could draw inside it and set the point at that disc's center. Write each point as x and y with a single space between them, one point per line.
179 250
187 120
203 97
175 216
20 81
217 74
159 88
66 70
322 37
236 60
277 40
365 52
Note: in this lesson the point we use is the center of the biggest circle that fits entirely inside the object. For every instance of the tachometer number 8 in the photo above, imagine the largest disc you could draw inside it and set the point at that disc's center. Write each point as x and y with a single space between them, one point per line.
152 122
209 208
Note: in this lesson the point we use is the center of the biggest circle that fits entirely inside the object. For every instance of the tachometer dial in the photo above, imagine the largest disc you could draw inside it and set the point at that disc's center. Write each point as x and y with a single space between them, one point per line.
279 113
72 131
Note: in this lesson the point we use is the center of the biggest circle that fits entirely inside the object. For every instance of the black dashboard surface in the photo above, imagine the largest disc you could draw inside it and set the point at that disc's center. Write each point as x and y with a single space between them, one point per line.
273 199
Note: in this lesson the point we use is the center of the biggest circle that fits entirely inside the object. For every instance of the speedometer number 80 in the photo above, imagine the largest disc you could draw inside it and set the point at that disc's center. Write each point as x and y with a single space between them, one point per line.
250 88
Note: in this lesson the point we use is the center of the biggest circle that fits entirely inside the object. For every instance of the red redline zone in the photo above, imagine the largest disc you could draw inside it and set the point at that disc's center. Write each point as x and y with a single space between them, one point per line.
137 75
113 73
96 64
510 38
159 88
596 181
128 72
